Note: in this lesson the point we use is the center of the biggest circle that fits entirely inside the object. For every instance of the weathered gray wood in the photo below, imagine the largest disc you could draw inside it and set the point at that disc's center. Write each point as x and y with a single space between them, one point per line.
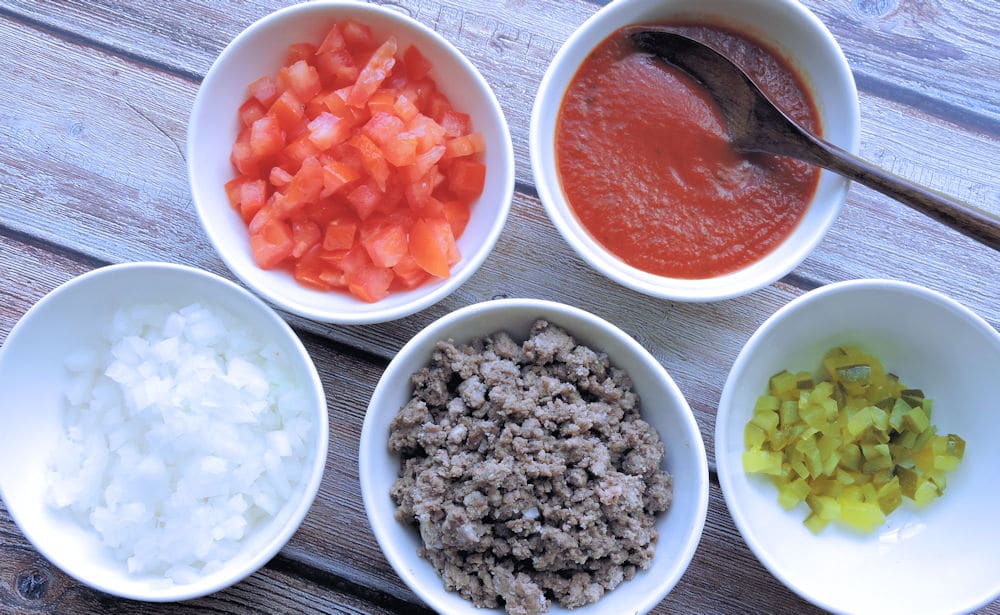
335 538
93 117
31 585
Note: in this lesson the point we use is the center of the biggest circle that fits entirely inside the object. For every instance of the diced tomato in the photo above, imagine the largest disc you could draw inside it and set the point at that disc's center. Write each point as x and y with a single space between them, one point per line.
305 234
409 273
336 68
372 159
437 107
428 132
418 193
339 234
252 197
433 246
382 101
299 51
303 80
364 198
251 111
325 211
265 90
328 130
279 177
352 260
357 35
430 208
305 186
271 244
374 72
336 278
354 171
333 40
266 137
466 145
423 164
309 270
387 245
233 187
369 284
401 151
417 66
336 175
266 214
297 152
456 124
289 110
383 127
336 104
466 178
243 158
457 213
405 106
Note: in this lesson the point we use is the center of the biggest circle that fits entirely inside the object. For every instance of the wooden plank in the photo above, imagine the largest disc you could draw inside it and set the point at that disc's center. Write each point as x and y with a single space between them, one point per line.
930 54
102 173
135 204
334 539
30 585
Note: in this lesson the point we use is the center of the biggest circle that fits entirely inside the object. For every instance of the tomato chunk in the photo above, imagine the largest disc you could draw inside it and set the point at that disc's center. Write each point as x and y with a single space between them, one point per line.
339 234
467 178
373 74
417 65
433 246
272 244
386 245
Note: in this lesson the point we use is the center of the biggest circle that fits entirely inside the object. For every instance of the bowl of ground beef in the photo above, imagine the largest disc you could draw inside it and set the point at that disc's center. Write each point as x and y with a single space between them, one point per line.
524 456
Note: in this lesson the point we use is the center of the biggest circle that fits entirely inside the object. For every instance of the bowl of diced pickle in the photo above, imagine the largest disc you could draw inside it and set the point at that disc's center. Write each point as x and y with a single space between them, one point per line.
857 445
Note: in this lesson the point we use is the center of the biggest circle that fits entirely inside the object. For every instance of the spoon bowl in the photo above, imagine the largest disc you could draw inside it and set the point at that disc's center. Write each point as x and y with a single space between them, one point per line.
756 124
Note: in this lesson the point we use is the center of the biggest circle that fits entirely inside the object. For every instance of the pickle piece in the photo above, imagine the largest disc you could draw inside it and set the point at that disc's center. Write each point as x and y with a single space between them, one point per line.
762 462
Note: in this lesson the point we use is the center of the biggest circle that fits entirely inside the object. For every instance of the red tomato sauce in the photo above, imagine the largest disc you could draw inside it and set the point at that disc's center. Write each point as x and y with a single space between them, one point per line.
646 165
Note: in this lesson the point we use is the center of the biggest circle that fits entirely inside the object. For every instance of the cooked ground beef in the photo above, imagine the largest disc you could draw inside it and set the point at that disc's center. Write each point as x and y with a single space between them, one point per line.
528 471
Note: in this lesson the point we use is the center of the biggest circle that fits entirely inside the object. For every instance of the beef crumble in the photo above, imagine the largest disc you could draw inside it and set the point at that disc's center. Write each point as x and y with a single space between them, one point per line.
528 471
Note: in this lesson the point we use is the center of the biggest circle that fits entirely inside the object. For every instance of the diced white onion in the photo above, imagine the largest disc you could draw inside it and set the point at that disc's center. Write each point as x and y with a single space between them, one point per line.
184 434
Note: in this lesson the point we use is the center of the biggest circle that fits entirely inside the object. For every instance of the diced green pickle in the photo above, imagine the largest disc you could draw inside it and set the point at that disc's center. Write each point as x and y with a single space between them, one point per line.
851 446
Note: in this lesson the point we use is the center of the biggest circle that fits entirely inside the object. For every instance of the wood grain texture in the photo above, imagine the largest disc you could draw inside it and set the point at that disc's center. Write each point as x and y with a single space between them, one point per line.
93 120
334 543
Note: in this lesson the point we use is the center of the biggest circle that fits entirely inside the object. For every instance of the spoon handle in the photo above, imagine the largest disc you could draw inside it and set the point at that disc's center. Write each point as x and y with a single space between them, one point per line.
972 222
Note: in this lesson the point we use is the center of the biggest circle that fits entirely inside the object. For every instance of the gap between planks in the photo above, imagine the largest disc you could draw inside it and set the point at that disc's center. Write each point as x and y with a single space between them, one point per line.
960 116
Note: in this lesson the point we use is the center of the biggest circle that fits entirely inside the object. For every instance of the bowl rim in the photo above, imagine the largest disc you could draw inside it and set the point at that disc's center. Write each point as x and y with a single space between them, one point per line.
725 471
365 313
372 442
715 288
310 488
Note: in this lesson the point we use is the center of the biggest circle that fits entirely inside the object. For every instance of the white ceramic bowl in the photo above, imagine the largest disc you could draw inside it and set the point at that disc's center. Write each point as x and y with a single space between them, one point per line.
33 377
787 26
943 558
664 408
213 125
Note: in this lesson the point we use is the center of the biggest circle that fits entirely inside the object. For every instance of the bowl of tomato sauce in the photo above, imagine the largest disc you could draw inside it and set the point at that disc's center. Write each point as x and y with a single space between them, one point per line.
348 163
633 162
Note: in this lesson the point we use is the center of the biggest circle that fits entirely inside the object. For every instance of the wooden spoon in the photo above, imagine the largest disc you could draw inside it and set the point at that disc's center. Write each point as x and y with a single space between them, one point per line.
756 125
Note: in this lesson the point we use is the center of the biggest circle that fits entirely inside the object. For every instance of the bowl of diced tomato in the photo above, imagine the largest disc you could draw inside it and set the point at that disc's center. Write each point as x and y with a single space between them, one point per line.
348 163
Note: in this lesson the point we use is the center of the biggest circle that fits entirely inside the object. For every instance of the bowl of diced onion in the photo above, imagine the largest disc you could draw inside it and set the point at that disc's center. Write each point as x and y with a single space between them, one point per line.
930 547
165 432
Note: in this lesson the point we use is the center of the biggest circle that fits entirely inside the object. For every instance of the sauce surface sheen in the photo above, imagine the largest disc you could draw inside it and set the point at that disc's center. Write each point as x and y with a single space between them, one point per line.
646 165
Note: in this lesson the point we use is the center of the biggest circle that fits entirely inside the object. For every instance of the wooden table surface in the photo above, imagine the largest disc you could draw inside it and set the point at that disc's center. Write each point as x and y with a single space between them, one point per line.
93 115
